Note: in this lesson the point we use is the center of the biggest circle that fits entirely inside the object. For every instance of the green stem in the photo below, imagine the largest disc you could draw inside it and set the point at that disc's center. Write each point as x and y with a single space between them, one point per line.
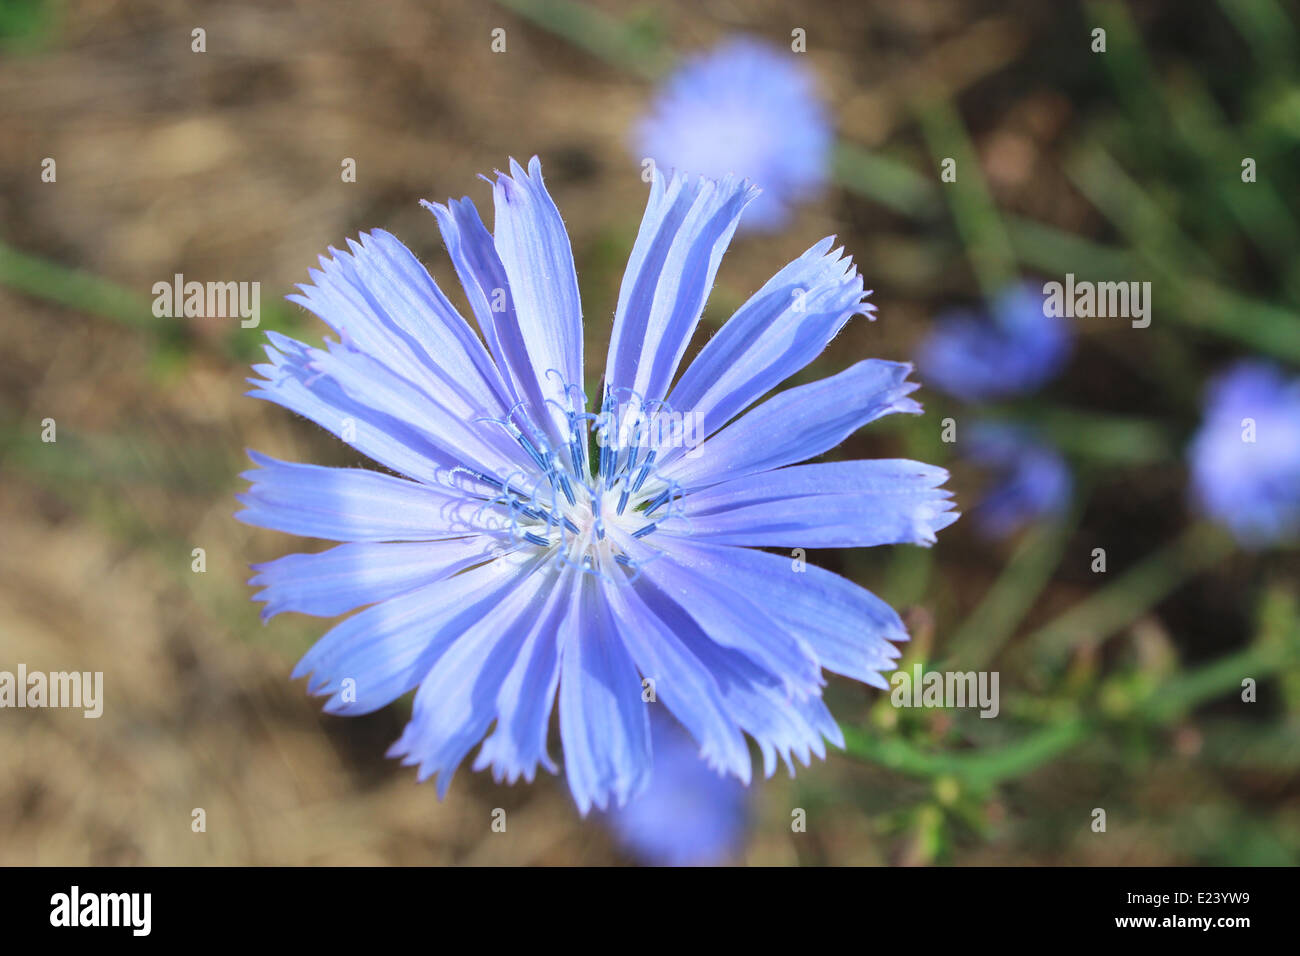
73 288
1265 26
890 182
973 209
601 35
983 768
978 769
1181 694
1096 436
1189 300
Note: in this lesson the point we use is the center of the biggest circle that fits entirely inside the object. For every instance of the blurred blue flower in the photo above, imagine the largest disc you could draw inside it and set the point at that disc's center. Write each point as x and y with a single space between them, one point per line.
1030 478
689 814
1245 459
747 108
1015 351
508 566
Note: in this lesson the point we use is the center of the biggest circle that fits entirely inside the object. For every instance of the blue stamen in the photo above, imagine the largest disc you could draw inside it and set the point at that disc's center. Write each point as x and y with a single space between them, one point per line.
609 473
659 502
645 471
576 452
566 487
533 453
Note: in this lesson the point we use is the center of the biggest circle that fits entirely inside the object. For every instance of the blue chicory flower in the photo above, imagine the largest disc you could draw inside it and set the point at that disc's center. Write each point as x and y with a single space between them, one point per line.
689 814
747 108
1016 350
1031 479
1245 460
508 564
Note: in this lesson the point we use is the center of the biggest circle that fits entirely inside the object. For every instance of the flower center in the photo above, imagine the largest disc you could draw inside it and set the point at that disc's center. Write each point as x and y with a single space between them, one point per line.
585 503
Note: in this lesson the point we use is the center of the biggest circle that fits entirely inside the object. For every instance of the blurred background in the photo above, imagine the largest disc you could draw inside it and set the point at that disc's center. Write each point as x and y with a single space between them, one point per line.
1120 689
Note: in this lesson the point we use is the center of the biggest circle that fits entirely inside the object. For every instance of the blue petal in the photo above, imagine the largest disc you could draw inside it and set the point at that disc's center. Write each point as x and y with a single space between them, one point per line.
352 504
518 744
452 428
483 276
478 267
385 303
756 698
848 627
797 424
457 699
352 575
289 382
843 504
604 724
680 681
687 226
388 649
728 620
534 249
783 327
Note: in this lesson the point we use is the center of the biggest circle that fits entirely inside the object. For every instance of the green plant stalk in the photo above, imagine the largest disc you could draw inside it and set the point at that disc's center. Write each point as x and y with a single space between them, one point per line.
73 288
1136 83
594 31
1264 25
984 768
1196 302
1179 267
978 770
1148 228
884 180
1055 251
85 292
1092 435
1258 207
976 217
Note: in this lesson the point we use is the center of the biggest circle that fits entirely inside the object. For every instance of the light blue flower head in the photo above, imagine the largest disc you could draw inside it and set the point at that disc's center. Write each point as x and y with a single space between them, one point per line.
1014 351
1030 479
747 108
1245 459
531 549
689 814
